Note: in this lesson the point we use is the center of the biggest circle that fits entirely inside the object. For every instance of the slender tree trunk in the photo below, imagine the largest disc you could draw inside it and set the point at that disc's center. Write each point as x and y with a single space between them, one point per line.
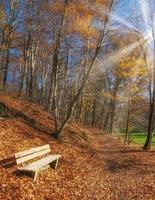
148 141
105 125
151 123
93 113
54 78
127 124
6 68
113 105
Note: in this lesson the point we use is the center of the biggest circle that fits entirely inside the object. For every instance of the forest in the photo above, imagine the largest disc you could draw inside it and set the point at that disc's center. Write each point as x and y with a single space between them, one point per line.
89 65
82 62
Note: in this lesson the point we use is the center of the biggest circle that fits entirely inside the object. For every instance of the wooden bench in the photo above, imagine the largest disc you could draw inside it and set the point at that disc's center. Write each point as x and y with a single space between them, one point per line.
34 167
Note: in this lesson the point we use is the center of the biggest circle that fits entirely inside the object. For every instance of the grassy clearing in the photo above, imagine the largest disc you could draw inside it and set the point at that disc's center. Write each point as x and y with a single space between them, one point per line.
140 138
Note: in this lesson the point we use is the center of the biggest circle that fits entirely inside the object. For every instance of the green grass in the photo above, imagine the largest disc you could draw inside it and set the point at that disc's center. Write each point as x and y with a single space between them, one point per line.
140 138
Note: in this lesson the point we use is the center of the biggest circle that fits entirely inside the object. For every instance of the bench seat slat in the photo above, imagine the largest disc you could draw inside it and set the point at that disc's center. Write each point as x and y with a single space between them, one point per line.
32 156
40 163
30 151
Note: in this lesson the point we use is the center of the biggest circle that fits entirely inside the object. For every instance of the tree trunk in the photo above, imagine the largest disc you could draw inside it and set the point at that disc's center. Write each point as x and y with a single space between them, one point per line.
151 123
147 144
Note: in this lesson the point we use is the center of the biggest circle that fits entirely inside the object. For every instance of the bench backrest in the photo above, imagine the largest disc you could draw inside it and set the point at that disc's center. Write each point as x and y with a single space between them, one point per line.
30 154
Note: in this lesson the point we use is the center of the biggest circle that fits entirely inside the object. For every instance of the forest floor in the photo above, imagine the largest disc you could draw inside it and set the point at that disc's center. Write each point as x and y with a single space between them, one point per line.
97 168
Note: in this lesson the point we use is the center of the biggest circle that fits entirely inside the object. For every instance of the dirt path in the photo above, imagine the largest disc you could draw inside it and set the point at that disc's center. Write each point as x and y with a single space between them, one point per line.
129 172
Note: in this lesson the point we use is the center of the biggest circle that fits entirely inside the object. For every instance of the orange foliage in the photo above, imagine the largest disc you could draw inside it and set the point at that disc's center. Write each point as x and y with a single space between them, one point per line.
58 7
131 68
82 17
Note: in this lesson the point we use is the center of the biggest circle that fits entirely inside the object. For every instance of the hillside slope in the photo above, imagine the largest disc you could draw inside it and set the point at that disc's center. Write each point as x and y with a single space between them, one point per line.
94 166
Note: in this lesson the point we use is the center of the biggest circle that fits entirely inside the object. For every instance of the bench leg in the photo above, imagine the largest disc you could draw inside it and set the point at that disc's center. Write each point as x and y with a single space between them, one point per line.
56 164
35 176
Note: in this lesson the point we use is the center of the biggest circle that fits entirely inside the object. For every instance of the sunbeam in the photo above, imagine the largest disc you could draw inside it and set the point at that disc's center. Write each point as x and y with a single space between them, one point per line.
145 10
120 54
123 22
114 17
115 57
